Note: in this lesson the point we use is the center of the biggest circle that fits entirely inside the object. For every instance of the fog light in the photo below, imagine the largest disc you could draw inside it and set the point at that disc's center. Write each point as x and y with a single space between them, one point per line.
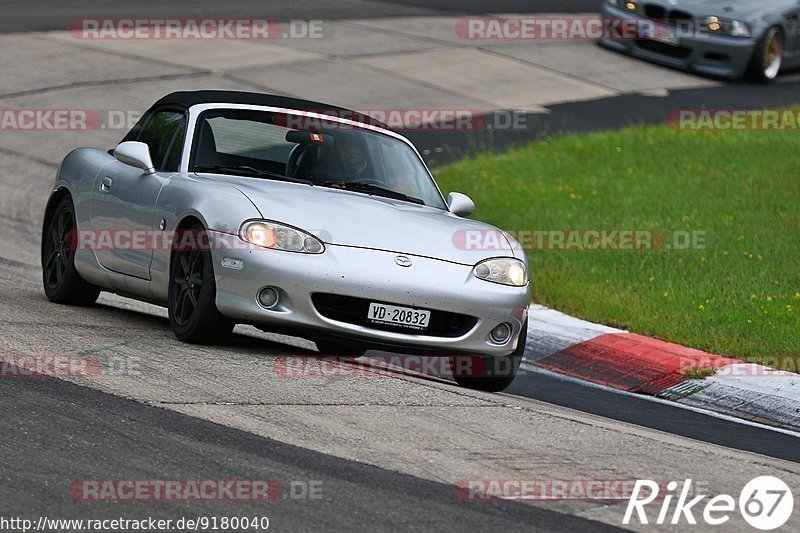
501 333
268 297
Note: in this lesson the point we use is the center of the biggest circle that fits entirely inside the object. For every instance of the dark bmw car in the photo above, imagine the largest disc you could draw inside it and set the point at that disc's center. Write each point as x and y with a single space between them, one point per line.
733 39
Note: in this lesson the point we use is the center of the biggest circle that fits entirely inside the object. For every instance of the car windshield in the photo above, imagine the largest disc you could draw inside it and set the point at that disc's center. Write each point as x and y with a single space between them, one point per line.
260 144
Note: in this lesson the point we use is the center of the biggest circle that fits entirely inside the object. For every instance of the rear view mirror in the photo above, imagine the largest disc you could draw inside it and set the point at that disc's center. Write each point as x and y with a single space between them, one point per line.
135 154
307 137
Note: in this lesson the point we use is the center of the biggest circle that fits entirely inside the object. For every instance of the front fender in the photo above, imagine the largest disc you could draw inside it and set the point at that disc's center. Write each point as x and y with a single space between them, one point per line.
218 206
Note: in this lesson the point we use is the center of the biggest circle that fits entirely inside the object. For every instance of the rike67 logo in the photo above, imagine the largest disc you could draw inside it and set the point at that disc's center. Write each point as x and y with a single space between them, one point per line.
766 503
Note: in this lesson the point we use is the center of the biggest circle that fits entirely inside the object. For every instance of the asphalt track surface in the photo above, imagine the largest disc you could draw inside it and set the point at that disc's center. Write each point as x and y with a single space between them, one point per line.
438 146
44 15
51 423
442 145
387 449
662 416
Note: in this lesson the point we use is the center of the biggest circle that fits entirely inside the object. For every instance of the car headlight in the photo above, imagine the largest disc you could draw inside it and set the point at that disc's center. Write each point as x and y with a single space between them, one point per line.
734 28
277 236
625 4
504 271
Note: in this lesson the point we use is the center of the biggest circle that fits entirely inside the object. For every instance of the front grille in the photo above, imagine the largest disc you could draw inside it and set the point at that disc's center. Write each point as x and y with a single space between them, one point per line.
354 311
680 52
675 16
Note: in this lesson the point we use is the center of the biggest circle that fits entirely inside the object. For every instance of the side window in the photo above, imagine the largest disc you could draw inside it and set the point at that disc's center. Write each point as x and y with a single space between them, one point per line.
158 134
173 160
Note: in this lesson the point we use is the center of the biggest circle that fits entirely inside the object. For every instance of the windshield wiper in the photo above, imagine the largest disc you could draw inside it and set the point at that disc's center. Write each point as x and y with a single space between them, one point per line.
247 170
369 188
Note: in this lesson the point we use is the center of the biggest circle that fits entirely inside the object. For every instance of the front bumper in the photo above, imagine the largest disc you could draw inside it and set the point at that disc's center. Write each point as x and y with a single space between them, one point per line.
373 275
718 56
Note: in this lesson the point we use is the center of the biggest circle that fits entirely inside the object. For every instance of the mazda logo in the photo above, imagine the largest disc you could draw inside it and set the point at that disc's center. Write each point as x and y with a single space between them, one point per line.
402 261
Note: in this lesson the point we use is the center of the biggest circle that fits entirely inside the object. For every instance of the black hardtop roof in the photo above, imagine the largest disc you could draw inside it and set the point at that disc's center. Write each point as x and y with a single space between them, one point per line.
187 99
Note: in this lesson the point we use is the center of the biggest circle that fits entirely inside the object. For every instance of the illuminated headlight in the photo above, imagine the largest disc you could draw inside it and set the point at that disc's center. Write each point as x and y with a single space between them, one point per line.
280 237
504 271
734 28
626 4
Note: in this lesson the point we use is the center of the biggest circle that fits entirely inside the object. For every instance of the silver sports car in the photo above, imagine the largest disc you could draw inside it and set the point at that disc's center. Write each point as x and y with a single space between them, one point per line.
295 217
720 38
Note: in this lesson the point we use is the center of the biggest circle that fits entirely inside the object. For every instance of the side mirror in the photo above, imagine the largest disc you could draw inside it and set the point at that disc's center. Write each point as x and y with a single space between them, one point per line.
460 204
135 154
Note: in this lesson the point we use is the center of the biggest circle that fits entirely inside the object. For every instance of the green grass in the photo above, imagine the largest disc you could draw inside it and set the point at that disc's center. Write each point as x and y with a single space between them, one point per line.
739 296
699 373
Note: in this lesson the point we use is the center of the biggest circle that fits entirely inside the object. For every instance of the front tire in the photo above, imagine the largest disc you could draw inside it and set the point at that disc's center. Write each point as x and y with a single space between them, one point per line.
62 283
768 57
489 374
193 314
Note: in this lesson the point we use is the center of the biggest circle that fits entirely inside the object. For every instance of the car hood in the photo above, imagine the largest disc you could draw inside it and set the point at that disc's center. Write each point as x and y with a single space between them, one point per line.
720 8
346 218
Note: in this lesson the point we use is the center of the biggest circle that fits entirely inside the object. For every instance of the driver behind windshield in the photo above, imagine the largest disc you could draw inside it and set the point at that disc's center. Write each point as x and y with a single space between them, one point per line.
353 159
345 161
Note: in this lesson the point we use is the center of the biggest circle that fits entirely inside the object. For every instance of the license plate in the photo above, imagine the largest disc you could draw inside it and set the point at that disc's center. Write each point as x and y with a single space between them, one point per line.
398 316
665 35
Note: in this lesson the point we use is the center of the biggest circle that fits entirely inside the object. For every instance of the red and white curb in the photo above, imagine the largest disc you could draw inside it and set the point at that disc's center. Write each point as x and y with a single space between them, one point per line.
634 363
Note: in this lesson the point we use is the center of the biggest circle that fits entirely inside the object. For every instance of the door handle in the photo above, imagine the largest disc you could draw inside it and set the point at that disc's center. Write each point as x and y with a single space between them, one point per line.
105 184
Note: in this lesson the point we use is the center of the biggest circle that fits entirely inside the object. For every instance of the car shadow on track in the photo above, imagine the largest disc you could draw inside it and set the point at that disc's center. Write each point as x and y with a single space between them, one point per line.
261 346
